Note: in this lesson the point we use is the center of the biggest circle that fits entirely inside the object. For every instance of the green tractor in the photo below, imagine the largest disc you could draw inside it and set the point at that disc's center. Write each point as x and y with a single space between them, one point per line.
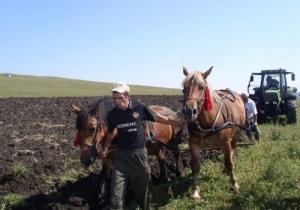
273 95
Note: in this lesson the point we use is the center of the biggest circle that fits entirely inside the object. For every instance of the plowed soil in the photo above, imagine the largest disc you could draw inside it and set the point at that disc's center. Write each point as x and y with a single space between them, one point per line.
38 158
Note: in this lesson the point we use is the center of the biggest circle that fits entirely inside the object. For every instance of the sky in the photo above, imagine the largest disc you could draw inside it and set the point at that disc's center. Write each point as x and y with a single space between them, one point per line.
147 42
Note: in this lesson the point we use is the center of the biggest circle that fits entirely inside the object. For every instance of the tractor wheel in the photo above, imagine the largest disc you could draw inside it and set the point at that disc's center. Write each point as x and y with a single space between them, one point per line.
291 115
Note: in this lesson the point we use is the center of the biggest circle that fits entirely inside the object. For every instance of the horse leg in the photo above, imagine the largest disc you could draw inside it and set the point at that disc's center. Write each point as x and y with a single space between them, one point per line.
179 164
195 164
229 165
163 177
104 189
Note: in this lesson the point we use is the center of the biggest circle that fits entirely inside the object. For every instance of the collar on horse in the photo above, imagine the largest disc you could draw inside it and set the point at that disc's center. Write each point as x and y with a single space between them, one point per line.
152 134
216 127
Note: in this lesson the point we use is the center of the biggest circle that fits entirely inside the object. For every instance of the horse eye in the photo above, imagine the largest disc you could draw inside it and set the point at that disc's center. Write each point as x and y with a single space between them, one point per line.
201 87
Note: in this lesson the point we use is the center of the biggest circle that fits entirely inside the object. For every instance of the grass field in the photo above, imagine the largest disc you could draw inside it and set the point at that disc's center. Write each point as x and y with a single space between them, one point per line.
33 86
268 174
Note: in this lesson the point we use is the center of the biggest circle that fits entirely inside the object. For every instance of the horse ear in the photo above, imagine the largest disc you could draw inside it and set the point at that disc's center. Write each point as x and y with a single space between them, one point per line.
76 109
185 71
205 74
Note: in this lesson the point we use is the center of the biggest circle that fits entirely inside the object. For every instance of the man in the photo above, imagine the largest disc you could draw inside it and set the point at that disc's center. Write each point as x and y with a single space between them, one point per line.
251 113
272 83
131 160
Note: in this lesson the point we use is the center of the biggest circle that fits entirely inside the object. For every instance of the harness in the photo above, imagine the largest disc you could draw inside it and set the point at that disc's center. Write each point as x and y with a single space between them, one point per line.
100 125
150 135
216 128
94 142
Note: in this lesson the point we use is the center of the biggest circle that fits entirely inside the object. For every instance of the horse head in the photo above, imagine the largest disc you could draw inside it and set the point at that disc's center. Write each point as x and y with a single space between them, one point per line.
90 134
196 93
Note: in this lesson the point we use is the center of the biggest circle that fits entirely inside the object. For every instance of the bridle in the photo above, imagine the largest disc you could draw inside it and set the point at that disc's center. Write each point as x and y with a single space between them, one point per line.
99 127
193 113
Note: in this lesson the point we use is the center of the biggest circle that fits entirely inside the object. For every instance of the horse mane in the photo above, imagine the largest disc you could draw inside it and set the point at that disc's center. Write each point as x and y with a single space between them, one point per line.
195 78
99 109
81 119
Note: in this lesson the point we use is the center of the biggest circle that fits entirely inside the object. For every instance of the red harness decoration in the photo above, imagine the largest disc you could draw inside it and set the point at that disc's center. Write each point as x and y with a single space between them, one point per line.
208 100
77 139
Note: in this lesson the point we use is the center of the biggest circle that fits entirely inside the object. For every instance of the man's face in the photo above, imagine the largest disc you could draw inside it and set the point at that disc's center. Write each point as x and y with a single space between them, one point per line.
245 99
121 100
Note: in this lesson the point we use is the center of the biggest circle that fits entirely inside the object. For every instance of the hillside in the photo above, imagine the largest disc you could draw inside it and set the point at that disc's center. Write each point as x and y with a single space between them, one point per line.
35 86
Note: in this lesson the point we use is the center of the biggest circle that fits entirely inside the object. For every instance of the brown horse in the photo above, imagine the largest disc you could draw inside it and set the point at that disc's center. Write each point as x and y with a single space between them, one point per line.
215 120
92 128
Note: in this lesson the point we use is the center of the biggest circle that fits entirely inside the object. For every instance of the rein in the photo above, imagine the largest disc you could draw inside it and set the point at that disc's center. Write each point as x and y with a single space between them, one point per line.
95 136
94 142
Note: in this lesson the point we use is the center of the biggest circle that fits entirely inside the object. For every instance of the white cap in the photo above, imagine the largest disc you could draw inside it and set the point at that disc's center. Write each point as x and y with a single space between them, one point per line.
120 88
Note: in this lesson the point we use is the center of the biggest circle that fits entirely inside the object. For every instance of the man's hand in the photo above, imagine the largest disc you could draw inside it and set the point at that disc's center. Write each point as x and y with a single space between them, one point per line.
169 120
108 140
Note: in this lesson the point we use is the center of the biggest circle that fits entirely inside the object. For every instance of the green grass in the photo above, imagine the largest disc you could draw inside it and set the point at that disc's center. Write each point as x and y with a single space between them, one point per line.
34 86
17 170
268 174
10 201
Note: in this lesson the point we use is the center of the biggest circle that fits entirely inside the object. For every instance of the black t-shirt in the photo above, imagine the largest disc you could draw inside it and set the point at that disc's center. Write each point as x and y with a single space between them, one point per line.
129 124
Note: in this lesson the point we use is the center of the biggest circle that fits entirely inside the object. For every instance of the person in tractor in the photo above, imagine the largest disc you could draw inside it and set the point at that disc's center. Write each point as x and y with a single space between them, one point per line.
272 83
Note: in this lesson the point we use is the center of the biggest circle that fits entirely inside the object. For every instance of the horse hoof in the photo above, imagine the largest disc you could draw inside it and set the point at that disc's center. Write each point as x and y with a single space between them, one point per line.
196 194
235 188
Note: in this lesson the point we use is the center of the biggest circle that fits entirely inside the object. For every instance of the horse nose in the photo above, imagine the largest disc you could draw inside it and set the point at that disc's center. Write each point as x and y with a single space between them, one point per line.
190 113
194 114
194 111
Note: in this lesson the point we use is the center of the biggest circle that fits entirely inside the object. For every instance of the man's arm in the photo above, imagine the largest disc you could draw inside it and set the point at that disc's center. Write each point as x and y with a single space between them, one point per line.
109 137
167 120
255 119
254 113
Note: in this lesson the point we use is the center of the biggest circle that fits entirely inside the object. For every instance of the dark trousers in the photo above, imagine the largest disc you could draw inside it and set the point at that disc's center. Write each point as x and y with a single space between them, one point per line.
253 129
130 165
